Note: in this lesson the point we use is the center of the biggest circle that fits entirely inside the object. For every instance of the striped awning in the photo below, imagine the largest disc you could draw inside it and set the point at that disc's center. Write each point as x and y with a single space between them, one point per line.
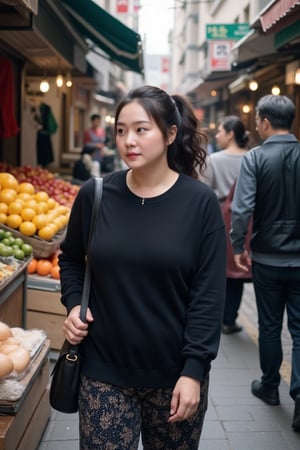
277 11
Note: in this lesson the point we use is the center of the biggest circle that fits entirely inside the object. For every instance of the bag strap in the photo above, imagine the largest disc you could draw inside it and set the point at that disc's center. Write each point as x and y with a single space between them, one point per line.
87 273
231 192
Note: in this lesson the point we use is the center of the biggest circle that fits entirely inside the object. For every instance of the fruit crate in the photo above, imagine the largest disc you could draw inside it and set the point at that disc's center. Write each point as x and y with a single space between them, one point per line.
41 248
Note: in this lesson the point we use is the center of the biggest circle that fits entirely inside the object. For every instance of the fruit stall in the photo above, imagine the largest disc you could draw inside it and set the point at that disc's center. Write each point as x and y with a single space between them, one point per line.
34 212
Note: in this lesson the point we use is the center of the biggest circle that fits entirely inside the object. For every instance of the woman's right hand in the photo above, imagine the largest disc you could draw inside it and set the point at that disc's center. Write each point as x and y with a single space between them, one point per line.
74 329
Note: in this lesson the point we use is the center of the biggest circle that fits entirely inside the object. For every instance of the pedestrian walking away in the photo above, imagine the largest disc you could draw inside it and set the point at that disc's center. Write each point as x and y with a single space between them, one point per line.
95 136
158 263
222 170
269 188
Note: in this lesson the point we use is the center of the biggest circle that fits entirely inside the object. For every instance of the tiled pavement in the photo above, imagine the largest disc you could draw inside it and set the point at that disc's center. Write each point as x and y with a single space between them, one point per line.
235 419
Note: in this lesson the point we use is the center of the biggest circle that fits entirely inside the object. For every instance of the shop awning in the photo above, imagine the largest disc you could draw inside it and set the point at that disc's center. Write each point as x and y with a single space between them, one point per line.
276 12
251 47
120 43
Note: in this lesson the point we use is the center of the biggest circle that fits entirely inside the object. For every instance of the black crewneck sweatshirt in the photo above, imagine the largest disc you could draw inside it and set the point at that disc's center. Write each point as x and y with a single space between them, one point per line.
158 281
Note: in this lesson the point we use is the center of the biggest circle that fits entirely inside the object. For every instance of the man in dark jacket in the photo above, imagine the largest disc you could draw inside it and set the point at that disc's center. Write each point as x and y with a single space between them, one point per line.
269 189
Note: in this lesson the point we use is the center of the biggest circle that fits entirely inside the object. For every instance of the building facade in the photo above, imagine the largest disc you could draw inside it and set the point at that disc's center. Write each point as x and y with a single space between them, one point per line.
227 54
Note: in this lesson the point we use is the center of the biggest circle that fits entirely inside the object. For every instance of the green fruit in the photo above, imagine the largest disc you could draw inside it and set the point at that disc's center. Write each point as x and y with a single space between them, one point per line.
6 251
12 241
8 234
18 254
2 234
6 241
27 249
19 242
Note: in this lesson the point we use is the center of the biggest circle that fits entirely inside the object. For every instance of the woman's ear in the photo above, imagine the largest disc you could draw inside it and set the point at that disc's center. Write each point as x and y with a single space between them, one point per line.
172 133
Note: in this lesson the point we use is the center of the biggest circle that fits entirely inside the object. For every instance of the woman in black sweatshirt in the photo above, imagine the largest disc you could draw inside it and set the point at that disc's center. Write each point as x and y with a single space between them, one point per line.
158 283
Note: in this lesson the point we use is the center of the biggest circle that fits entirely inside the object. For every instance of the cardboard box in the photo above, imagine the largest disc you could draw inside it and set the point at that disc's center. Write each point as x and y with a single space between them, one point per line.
45 311
23 430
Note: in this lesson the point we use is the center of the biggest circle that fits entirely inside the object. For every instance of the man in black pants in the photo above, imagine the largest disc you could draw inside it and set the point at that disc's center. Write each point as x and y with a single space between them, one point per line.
269 188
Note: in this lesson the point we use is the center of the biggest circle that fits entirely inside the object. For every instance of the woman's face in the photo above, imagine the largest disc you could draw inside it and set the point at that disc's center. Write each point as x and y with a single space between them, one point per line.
223 137
139 140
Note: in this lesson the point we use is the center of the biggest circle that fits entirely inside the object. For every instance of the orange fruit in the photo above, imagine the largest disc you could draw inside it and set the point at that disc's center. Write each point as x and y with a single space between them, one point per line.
27 228
51 203
54 259
43 267
59 222
47 232
31 268
41 196
30 203
28 214
3 218
24 196
3 208
15 207
7 195
55 272
7 180
40 220
26 187
13 221
41 207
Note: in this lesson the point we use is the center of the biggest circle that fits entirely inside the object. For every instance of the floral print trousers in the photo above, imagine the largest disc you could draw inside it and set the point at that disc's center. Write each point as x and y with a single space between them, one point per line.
112 418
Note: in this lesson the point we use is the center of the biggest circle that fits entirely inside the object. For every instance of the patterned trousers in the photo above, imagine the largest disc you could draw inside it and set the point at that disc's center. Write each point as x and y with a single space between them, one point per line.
113 417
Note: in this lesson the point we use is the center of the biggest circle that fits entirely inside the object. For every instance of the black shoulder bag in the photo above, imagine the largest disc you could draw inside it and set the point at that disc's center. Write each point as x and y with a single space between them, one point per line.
64 386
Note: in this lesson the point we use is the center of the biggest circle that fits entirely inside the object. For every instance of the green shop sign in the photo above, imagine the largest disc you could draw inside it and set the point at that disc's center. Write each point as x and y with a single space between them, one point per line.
231 31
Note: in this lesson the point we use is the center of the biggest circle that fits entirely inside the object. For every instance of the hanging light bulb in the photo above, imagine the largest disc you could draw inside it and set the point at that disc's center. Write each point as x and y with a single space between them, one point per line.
253 85
44 85
59 81
68 79
246 108
297 76
275 90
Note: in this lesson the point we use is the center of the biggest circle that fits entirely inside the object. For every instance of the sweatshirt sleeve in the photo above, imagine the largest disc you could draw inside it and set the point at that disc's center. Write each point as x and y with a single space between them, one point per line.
72 258
243 203
206 298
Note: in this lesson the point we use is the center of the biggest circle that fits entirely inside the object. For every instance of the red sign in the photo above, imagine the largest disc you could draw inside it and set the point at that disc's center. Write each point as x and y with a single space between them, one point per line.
122 6
219 55
165 64
136 6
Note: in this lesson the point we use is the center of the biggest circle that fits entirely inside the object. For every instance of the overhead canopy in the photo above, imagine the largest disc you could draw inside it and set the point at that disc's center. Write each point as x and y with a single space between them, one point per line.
122 45
252 46
277 11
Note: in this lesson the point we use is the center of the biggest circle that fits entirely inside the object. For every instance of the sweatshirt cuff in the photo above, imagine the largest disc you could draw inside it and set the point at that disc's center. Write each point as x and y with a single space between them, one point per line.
72 300
196 369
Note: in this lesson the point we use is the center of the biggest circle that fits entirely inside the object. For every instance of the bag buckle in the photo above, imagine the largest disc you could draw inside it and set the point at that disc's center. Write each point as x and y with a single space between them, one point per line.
71 357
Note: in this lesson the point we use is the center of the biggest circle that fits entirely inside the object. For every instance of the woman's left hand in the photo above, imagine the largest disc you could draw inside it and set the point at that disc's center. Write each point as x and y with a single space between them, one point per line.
185 399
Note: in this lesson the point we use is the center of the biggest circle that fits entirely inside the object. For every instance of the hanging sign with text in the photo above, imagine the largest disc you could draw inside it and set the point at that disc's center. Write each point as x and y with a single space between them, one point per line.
231 31
219 55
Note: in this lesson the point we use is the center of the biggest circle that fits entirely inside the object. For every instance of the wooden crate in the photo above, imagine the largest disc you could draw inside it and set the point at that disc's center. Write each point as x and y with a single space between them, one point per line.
45 311
23 430
13 299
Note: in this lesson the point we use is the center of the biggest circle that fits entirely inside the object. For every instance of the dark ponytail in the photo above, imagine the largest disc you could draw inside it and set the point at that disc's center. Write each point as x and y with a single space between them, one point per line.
187 153
234 124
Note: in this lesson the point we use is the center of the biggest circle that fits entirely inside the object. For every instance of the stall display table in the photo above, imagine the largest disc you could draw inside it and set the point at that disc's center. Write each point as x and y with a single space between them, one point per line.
44 309
22 422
